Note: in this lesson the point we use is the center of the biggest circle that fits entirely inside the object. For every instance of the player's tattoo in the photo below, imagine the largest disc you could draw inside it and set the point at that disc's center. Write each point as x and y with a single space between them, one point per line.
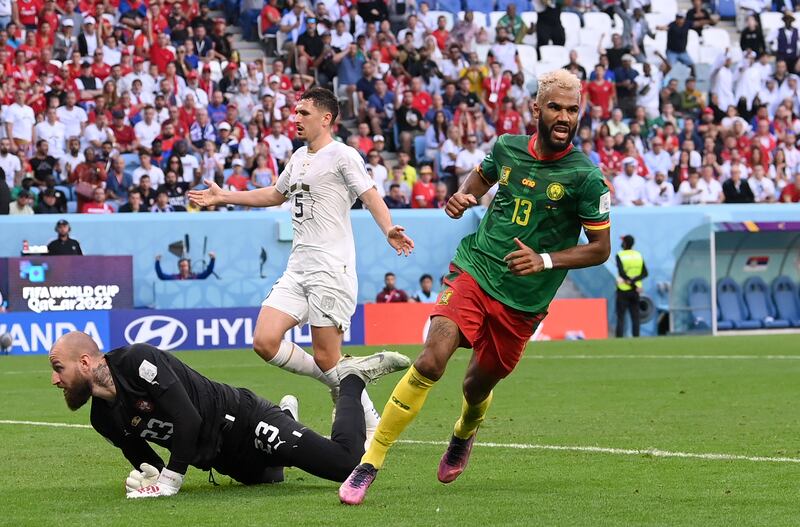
102 375
443 330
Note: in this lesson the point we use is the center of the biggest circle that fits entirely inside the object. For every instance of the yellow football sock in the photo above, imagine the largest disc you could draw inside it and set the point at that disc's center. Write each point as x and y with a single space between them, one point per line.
471 417
403 405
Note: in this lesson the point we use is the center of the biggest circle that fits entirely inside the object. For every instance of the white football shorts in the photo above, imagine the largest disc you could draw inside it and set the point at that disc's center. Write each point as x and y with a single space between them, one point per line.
320 298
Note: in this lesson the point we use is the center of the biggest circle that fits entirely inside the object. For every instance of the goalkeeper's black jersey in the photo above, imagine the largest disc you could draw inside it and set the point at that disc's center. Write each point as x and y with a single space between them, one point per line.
162 400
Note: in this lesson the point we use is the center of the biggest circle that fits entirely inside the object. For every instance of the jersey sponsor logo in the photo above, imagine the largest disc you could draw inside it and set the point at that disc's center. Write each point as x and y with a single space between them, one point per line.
161 331
555 191
135 422
505 175
528 182
604 207
148 371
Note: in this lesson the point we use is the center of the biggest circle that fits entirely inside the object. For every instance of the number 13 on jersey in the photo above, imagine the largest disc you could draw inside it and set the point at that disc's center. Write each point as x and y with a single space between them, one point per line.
522 211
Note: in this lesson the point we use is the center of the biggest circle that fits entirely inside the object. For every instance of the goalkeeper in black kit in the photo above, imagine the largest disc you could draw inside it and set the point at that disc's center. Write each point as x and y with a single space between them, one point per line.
143 395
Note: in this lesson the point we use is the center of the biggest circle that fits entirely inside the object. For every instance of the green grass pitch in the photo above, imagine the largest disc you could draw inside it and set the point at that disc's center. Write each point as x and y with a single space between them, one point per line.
669 394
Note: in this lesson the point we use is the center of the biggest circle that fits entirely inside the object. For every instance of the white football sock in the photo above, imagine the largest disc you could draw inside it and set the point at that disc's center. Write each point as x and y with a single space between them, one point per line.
371 415
293 358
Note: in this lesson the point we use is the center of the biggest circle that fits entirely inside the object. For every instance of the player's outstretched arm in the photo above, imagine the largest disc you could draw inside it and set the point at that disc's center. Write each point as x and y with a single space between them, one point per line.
472 190
395 234
214 195
525 261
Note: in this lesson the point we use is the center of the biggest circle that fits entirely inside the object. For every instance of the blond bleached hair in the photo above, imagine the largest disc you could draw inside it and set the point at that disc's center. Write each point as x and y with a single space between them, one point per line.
561 79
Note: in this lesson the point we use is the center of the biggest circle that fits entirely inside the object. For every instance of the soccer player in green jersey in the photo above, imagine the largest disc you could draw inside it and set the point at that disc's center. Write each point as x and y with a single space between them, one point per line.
503 276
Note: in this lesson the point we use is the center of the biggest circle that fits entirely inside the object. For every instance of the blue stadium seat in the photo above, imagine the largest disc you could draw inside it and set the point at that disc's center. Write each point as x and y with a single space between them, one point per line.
726 9
67 192
732 309
481 6
419 150
699 300
451 6
522 5
787 304
759 303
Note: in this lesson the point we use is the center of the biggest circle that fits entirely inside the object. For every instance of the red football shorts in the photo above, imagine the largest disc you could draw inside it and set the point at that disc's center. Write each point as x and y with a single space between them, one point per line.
497 333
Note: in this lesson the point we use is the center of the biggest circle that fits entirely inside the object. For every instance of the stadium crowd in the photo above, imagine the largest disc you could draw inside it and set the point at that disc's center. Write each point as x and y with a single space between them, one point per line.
124 105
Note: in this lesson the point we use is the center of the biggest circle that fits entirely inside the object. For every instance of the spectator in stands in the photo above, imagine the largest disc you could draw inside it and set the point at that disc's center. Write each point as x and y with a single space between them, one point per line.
615 53
390 294
22 205
658 191
711 188
87 177
736 189
698 17
185 269
677 40
425 294
176 190
377 171
762 187
395 199
146 167
549 29
98 203
134 203
752 36
784 42
505 52
147 191
48 203
43 164
628 185
162 202
468 158
791 192
19 121
52 131
424 190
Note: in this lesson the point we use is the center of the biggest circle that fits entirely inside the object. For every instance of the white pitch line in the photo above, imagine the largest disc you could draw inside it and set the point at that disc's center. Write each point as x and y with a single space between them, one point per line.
533 357
42 423
667 357
655 452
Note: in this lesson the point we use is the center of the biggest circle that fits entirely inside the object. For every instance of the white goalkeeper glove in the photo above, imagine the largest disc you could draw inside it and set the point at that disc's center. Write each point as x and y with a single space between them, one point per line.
136 480
168 484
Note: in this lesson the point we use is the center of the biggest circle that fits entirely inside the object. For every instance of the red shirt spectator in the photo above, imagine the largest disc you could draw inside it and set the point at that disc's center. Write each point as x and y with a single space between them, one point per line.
98 205
791 193
600 92
390 294
496 87
28 11
509 121
160 55
424 190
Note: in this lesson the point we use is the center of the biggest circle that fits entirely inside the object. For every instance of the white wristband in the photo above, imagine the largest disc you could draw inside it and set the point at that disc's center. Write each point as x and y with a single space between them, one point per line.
548 262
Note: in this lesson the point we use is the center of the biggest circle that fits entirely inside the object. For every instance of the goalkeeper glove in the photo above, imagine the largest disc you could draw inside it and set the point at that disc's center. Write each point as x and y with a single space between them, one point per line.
168 484
145 478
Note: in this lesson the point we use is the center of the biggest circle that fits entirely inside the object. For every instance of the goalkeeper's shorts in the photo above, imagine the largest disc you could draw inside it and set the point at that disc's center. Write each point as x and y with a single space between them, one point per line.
497 333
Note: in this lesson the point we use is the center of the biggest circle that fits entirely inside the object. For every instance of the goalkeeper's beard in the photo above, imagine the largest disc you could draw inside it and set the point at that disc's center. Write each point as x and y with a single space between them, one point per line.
546 134
76 397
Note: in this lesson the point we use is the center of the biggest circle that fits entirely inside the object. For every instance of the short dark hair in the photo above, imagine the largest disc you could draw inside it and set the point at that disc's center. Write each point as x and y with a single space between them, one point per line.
324 99
393 186
387 275
423 277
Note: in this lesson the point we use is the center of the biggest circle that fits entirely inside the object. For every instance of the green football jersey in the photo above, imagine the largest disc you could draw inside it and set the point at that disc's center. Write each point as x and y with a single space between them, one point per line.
544 203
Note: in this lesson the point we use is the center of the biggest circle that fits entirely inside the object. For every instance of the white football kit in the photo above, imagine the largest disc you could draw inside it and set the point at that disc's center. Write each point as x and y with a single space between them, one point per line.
319 285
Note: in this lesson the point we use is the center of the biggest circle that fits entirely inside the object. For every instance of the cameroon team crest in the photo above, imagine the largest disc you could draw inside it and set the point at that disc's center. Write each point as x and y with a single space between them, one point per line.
555 191
445 298
505 174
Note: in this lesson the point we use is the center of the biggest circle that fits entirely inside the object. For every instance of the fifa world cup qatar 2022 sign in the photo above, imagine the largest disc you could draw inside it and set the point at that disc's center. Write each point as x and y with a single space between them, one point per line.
42 284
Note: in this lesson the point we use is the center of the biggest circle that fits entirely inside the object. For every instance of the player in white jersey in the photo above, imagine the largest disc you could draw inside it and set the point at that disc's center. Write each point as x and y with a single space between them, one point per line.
321 181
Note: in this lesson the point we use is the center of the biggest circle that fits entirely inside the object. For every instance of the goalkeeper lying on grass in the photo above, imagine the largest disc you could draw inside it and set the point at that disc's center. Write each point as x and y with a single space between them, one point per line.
141 394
